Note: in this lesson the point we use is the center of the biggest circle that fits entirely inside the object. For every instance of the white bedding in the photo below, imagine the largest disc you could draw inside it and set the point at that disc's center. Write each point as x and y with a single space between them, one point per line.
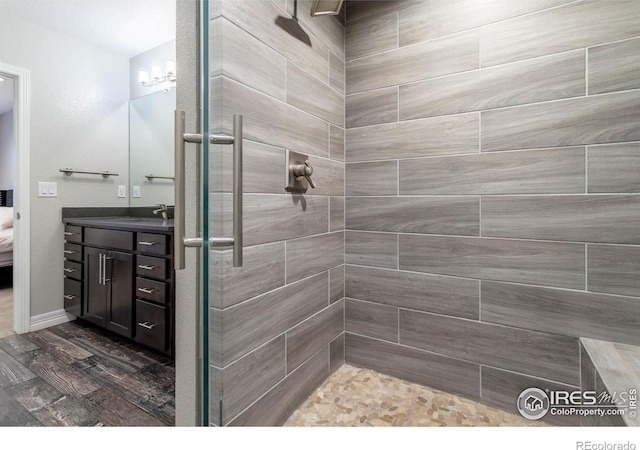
6 240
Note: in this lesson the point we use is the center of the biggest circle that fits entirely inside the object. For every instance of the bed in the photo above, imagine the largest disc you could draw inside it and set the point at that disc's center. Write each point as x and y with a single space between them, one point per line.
6 228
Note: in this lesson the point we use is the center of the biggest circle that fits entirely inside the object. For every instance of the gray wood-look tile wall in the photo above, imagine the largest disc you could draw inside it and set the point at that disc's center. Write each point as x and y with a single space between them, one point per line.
491 185
277 322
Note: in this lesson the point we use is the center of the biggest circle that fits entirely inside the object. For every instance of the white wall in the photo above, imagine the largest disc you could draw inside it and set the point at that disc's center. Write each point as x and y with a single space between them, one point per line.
7 151
79 119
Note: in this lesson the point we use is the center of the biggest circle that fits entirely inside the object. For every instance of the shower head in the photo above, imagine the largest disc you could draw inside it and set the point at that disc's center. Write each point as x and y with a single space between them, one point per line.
326 7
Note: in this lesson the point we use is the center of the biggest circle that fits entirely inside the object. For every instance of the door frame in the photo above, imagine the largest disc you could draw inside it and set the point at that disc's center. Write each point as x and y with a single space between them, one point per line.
21 200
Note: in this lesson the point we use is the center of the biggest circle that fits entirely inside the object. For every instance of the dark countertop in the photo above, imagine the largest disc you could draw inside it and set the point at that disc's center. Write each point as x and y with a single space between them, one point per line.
127 223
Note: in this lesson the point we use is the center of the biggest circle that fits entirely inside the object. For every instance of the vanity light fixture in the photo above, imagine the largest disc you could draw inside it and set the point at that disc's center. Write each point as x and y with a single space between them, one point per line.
157 75
1 79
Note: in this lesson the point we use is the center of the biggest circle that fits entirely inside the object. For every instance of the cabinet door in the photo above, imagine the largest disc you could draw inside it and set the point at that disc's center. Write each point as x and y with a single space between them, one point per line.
119 280
95 304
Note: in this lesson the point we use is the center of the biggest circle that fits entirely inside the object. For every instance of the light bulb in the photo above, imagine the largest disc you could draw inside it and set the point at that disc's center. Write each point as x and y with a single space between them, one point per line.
156 73
143 76
1 79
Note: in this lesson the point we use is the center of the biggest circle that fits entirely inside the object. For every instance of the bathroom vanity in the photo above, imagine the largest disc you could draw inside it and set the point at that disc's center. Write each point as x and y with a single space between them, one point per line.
118 274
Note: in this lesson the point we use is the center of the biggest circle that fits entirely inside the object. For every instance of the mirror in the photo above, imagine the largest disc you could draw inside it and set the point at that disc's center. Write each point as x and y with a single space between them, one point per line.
151 111
151 148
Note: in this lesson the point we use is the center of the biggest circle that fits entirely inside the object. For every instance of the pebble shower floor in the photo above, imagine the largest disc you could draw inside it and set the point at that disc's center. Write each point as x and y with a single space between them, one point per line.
362 397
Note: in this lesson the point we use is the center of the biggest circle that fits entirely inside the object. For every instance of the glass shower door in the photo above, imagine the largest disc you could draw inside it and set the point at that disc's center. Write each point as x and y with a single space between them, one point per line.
214 145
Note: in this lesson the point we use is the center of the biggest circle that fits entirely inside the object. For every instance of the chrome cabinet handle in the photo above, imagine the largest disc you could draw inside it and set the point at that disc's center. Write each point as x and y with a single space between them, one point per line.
70 297
100 269
69 233
105 258
68 270
147 325
146 267
146 290
148 243
69 252
181 241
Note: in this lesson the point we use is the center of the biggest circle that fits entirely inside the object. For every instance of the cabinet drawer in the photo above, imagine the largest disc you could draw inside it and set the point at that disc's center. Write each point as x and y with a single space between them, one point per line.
151 325
73 252
73 296
153 244
122 240
155 291
73 233
73 270
150 267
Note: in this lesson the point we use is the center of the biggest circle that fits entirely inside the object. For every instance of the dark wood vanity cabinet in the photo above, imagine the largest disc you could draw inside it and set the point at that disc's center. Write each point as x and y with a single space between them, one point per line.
108 290
122 280
154 291
73 270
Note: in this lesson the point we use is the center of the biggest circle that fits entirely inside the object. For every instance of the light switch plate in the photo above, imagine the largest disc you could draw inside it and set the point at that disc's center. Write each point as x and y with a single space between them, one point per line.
47 189
136 192
122 191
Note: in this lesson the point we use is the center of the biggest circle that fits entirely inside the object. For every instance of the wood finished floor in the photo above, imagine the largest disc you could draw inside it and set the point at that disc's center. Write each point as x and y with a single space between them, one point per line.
77 375
6 311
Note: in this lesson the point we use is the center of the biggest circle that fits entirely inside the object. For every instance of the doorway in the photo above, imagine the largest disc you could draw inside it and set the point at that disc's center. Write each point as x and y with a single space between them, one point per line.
14 200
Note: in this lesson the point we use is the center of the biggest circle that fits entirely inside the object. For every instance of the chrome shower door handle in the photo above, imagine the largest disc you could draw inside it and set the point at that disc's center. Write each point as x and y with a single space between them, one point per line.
179 190
180 240
237 191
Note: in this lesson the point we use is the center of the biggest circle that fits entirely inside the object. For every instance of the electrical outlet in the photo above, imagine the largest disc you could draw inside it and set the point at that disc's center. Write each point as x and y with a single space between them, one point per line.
136 192
122 191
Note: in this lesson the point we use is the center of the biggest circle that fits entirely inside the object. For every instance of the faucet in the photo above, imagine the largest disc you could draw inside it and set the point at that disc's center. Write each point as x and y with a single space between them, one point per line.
163 209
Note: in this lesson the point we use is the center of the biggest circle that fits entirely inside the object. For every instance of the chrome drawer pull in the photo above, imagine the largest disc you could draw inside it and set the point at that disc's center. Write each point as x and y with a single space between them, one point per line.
147 243
66 269
69 233
147 325
146 290
69 252
145 267
70 297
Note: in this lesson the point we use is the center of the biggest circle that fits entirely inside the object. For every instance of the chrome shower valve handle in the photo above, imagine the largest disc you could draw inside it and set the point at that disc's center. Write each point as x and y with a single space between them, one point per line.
296 172
304 171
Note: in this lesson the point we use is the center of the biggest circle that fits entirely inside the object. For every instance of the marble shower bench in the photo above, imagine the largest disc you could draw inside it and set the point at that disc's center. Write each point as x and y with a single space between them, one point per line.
614 368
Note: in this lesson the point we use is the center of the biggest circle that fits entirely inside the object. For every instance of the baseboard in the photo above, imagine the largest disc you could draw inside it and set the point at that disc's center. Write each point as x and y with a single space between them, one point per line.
50 319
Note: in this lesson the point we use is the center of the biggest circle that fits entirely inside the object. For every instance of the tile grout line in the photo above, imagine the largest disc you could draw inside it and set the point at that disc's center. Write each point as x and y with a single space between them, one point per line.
480 216
586 267
398 251
397 177
480 366
480 300
586 72
586 169
480 132
580 365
